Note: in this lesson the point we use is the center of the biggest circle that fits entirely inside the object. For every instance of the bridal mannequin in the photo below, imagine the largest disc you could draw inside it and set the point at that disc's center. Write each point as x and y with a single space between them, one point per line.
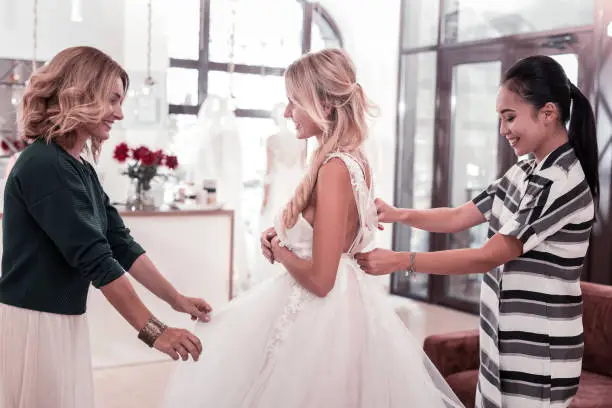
286 158
210 150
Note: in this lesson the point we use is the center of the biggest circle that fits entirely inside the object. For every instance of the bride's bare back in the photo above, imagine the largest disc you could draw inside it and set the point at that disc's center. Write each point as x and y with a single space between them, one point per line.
333 214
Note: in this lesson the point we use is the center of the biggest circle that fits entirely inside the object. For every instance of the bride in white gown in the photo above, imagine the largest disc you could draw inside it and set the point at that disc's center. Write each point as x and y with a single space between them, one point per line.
323 334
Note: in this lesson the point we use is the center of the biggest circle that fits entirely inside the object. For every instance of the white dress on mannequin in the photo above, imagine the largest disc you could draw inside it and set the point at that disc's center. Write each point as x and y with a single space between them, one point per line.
286 167
280 346
211 150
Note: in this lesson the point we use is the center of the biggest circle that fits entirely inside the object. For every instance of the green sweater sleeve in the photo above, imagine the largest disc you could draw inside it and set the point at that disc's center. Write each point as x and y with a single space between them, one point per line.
68 217
124 248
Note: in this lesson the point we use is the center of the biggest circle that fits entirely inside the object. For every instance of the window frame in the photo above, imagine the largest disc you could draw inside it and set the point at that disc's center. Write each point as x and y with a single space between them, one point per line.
312 13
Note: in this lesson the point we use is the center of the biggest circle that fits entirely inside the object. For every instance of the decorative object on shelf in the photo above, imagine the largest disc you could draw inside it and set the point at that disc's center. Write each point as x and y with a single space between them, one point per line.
210 186
9 142
11 146
143 167
10 149
13 78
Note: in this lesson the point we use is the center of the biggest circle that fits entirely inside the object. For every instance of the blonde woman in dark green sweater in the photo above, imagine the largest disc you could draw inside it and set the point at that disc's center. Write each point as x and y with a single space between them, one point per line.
61 234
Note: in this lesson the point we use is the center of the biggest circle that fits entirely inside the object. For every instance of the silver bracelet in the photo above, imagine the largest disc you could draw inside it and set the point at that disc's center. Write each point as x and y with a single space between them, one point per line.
410 272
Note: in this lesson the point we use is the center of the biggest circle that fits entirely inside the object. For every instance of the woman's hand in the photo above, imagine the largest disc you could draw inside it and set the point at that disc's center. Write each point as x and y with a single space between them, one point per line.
380 261
386 212
266 243
179 342
279 252
197 308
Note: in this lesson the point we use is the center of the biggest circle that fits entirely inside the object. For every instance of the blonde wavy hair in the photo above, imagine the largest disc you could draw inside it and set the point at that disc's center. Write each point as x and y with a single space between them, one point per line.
71 91
324 85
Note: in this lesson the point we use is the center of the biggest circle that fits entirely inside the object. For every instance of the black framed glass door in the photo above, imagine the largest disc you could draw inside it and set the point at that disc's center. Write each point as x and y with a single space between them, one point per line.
470 154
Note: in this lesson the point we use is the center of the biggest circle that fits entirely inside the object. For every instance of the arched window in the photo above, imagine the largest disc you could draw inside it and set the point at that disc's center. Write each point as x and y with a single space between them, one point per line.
245 43
200 37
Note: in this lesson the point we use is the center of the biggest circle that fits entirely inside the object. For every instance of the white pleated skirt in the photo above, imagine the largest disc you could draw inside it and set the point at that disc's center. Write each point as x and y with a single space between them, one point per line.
45 360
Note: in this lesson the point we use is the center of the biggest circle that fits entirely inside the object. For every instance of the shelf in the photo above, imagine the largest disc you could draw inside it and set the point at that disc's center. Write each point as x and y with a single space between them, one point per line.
10 84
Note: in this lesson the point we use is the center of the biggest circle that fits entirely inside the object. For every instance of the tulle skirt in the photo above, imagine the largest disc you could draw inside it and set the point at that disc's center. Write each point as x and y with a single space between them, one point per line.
279 346
45 360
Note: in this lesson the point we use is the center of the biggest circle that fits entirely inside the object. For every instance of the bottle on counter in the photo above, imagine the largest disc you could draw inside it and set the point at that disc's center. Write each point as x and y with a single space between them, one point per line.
210 192
179 195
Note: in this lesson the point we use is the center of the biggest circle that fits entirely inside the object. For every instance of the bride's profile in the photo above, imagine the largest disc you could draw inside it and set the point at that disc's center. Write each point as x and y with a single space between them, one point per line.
323 334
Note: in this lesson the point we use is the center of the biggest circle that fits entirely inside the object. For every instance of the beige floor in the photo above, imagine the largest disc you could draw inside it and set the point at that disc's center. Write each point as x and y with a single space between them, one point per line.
143 386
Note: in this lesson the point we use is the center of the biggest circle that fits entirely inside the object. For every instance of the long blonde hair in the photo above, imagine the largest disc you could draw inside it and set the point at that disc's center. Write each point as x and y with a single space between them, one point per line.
71 91
321 82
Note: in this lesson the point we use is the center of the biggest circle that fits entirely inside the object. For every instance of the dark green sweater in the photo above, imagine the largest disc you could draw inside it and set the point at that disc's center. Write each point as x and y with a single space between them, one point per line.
60 233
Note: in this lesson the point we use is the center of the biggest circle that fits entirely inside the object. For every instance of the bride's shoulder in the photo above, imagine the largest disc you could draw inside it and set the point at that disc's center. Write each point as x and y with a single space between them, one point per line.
334 167
350 161
354 166
333 185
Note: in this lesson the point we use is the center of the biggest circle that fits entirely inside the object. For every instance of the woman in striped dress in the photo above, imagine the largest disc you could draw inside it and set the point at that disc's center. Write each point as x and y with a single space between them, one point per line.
540 215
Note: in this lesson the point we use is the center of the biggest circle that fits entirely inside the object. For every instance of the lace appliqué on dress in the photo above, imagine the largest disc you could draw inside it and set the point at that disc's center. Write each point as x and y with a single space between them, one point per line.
299 296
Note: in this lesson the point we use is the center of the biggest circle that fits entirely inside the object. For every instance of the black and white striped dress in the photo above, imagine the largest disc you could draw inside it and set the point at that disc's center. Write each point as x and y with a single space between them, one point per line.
531 338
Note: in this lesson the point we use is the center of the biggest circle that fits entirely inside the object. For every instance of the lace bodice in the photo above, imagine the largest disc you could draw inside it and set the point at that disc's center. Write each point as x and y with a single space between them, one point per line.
299 238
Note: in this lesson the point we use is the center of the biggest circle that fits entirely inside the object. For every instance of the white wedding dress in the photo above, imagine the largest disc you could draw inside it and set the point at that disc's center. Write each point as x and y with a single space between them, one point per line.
286 172
279 346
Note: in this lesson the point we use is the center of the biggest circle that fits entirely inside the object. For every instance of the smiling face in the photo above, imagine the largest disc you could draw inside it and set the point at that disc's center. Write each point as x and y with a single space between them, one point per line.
526 129
101 131
304 125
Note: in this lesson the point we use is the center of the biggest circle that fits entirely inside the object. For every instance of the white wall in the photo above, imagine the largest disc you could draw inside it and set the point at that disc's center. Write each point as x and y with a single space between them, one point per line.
102 27
135 41
134 60
370 29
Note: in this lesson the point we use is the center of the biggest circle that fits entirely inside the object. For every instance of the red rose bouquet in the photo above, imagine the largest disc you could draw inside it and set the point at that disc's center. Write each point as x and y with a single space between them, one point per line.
143 165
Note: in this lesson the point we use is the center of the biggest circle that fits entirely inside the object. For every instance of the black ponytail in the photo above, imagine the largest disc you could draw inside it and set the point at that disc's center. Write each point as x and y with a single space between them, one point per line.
539 80
583 137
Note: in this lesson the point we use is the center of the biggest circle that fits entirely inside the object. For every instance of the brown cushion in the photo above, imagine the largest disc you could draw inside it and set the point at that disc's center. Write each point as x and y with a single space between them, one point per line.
597 318
594 391
464 386
453 352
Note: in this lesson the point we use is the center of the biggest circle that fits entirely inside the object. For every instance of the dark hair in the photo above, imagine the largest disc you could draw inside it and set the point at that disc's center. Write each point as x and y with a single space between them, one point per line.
540 79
